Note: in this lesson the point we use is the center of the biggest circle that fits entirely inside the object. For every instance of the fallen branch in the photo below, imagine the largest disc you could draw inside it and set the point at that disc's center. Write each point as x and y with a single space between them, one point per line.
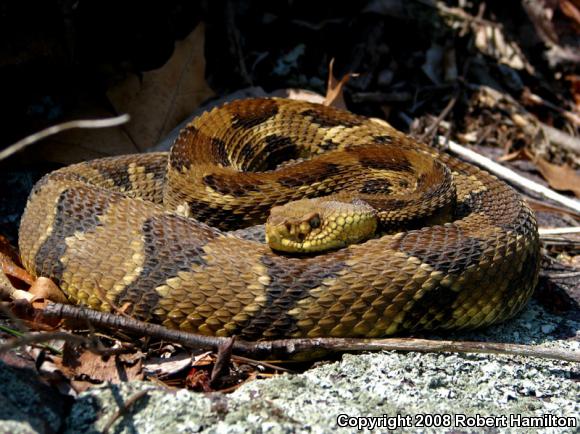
86 123
509 175
299 348
291 347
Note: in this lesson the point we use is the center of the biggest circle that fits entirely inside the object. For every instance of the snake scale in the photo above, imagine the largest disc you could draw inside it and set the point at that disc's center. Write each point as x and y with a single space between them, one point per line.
153 233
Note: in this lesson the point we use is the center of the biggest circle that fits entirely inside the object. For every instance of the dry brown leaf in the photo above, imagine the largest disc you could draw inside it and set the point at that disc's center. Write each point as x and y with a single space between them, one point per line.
7 289
44 289
95 368
162 98
198 380
12 275
562 178
572 11
334 90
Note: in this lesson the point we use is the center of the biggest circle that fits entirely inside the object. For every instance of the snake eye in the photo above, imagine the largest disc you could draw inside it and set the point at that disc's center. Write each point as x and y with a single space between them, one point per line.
314 221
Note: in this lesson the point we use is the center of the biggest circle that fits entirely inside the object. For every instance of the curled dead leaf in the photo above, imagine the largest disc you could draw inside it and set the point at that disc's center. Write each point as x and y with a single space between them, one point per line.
162 98
561 178
335 88
44 289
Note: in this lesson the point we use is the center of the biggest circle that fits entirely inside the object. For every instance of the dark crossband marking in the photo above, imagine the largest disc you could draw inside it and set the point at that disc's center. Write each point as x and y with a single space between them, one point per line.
77 210
395 165
227 219
250 115
220 151
287 286
226 185
315 173
376 186
327 118
460 252
167 239
278 149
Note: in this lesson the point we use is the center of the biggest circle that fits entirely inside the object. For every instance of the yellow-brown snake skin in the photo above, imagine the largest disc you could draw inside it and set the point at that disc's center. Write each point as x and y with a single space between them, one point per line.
149 231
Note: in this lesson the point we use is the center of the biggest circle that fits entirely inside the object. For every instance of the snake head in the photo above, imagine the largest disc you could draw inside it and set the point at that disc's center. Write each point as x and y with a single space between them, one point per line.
317 225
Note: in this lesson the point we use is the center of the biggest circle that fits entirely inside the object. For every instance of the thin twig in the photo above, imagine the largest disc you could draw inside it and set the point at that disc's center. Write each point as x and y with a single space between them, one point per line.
102 296
83 123
559 231
538 205
561 275
554 241
509 175
18 335
14 320
40 338
300 348
258 363
458 13
429 131
124 408
537 99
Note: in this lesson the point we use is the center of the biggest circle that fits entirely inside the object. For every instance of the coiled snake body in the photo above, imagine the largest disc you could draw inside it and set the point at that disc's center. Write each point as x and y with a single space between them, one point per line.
150 231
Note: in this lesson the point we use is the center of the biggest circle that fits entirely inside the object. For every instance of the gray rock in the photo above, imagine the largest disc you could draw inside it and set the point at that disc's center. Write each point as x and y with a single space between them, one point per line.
445 388
27 405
